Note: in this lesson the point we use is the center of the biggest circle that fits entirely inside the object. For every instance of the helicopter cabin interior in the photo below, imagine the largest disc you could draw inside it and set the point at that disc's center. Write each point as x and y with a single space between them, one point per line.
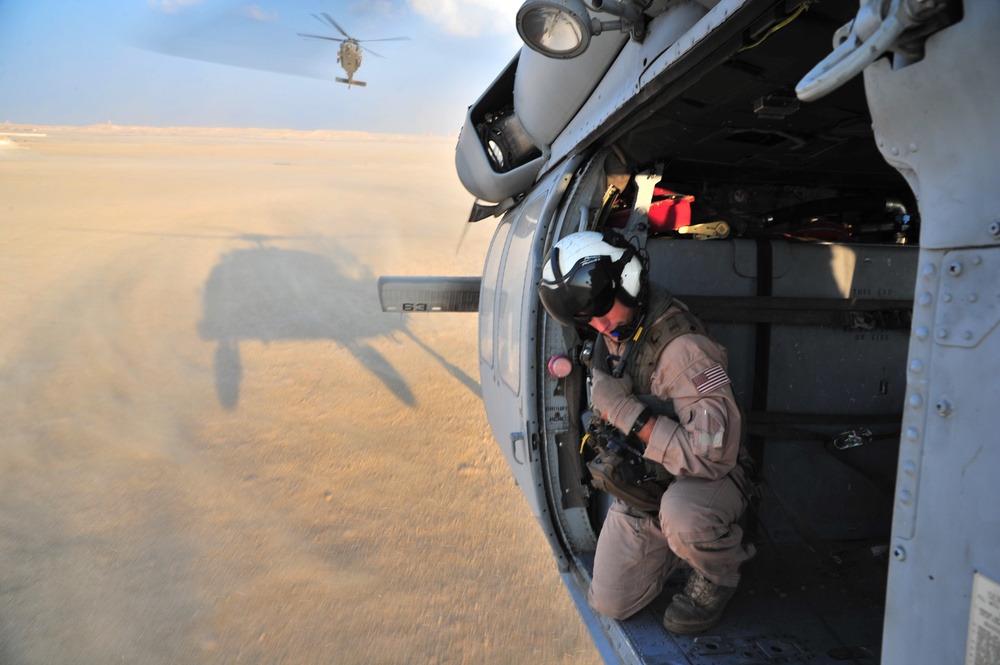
782 227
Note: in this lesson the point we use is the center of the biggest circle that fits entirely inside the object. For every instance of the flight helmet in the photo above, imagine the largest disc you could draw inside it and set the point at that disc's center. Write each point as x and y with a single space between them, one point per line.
584 273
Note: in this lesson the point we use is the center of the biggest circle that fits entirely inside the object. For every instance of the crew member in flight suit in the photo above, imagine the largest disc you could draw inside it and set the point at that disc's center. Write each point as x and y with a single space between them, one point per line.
589 281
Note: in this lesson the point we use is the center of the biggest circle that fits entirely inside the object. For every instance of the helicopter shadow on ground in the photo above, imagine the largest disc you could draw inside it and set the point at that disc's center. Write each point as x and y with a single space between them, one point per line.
269 294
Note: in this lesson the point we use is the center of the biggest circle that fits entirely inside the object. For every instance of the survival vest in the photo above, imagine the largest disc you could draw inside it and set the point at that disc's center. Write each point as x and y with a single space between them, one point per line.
619 467
655 339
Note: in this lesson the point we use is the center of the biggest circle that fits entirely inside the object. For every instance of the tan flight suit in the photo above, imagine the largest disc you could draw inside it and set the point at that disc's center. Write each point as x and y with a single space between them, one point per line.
697 521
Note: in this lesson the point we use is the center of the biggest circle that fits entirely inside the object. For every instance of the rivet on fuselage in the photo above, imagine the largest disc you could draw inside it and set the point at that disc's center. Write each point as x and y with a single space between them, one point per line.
943 407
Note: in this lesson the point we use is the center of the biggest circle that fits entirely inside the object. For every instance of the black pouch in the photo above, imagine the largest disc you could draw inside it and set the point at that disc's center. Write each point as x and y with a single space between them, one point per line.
635 480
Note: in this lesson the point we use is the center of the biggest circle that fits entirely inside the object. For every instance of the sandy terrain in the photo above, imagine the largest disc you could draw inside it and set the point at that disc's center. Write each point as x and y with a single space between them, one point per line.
215 447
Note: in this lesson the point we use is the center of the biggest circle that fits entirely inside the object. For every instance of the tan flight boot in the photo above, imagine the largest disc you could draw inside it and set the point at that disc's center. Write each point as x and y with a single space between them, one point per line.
699 607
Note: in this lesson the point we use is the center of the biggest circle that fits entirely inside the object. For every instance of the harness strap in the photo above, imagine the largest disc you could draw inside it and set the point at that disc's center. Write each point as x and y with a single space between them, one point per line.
658 336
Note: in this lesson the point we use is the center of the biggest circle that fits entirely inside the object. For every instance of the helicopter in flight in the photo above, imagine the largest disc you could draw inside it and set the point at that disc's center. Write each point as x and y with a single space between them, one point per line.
831 213
349 55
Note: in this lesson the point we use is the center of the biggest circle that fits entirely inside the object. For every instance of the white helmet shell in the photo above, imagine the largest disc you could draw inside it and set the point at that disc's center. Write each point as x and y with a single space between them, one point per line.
584 244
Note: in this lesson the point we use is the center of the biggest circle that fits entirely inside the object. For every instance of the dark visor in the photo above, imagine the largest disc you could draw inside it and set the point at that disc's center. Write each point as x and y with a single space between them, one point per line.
586 291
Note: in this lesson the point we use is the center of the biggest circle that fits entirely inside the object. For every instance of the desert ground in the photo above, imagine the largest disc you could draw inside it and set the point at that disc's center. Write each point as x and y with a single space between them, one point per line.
215 447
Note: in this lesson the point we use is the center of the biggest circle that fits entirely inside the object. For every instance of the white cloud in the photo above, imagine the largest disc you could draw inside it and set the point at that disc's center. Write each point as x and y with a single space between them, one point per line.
470 18
257 14
171 6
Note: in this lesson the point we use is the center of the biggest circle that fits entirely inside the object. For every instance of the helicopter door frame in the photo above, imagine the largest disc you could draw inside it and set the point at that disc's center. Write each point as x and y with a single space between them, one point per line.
509 343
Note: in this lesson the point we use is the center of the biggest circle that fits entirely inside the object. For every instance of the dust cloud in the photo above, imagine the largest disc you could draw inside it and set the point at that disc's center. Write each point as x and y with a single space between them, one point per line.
216 448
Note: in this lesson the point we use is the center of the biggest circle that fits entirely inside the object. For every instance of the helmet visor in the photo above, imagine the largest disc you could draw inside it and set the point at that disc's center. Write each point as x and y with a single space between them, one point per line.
586 291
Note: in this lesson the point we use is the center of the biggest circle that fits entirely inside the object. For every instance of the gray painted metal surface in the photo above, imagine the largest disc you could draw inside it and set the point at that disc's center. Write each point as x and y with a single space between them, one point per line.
936 121
429 294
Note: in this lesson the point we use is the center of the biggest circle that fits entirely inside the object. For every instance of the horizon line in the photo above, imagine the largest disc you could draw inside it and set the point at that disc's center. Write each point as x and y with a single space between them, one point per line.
27 129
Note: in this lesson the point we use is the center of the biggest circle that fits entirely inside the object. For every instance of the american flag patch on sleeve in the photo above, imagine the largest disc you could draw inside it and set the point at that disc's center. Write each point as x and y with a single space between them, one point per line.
710 379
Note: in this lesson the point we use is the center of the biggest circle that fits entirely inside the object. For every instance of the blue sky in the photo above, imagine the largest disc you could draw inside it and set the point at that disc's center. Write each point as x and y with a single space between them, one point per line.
83 62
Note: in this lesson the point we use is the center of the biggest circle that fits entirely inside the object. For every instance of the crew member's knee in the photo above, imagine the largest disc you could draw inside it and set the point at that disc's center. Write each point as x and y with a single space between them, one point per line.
614 605
678 516
691 528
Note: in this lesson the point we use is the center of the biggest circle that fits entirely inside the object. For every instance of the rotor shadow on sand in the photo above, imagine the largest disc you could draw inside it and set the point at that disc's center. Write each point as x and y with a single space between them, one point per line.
269 294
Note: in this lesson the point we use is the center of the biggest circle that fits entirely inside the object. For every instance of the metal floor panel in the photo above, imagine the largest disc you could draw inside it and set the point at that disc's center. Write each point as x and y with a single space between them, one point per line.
789 609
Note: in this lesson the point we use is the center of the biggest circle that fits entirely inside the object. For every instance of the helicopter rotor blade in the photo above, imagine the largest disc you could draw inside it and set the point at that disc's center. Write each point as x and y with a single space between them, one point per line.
329 19
388 39
371 51
332 39
321 20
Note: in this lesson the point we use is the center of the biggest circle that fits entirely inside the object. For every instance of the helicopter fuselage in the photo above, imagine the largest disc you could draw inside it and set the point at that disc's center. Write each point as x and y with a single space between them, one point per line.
349 56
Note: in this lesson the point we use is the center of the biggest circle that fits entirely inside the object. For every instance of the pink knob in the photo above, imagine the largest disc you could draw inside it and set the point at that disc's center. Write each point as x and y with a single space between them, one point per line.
560 366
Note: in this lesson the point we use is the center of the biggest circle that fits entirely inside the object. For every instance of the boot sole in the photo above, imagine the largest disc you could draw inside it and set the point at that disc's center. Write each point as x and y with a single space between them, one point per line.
686 629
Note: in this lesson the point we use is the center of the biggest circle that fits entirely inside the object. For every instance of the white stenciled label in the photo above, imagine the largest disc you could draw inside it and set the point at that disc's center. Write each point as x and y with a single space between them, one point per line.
983 646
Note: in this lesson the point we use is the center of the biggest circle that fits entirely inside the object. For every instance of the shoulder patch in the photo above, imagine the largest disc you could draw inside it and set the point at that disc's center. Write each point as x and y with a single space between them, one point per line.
708 380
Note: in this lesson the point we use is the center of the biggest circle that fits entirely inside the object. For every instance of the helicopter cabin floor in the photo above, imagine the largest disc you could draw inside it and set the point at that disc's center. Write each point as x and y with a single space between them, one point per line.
790 608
